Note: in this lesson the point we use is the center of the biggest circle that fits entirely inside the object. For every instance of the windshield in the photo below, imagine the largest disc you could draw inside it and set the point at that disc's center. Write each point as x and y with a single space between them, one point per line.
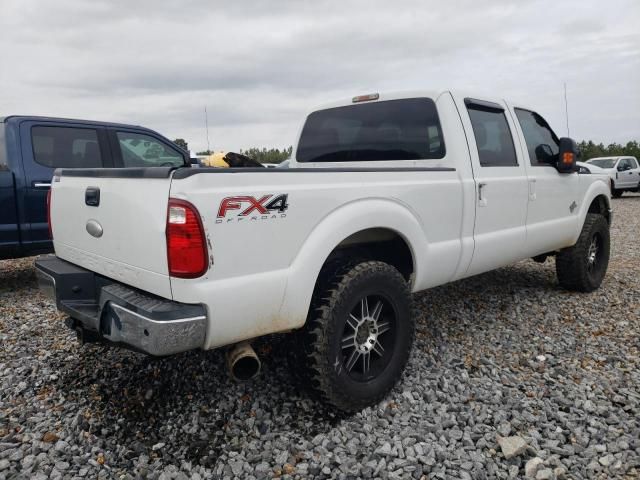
603 162
407 129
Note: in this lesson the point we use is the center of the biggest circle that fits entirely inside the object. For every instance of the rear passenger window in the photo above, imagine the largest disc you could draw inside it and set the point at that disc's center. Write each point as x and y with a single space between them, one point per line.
140 150
492 134
543 145
66 147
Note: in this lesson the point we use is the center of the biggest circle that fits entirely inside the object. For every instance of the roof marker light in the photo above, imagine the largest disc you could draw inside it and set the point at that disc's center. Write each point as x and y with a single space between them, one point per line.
366 98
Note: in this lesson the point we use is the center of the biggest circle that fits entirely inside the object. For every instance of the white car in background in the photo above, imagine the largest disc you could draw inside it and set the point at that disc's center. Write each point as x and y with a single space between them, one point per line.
623 171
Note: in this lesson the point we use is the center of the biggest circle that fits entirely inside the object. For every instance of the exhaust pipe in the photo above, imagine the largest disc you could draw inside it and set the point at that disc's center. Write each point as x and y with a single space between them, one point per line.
242 362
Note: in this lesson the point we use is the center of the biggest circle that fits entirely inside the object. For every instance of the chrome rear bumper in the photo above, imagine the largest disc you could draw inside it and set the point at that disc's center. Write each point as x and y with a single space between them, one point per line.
155 337
103 310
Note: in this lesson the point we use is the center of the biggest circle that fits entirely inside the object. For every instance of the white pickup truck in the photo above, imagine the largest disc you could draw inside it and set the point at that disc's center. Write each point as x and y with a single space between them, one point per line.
385 195
624 173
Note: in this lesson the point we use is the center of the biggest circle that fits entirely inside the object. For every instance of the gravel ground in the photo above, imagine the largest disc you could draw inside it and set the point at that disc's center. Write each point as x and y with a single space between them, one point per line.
510 376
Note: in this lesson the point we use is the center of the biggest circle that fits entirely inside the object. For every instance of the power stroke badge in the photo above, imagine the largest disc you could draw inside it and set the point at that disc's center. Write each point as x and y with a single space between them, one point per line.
249 208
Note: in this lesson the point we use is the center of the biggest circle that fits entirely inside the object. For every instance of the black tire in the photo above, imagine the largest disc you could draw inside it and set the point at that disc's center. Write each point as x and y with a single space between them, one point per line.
385 334
582 267
616 193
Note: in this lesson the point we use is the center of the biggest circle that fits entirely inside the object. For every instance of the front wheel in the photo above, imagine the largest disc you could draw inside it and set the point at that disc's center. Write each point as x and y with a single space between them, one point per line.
583 267
616 192
359 335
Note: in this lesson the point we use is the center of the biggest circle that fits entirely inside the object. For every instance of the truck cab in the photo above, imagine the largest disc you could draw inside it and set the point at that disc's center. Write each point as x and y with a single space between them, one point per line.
31 148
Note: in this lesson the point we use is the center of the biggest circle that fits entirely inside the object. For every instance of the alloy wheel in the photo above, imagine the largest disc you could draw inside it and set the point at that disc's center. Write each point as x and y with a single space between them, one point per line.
368 337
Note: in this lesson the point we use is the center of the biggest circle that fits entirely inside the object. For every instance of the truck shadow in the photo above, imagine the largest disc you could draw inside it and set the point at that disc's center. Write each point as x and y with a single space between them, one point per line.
477 303
138 395
128 399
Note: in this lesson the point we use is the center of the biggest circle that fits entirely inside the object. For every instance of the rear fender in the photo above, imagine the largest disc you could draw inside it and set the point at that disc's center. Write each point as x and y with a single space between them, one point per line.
331 231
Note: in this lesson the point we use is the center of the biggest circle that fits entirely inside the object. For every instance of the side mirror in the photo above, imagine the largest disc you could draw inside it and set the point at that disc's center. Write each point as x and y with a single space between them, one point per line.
567 156
624 168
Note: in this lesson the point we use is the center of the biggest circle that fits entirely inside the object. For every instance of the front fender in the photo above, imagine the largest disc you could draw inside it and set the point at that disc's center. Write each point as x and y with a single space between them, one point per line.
348 219
596 189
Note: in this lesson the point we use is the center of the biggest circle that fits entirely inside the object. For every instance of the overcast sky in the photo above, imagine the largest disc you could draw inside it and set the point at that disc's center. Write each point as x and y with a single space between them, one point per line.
260 66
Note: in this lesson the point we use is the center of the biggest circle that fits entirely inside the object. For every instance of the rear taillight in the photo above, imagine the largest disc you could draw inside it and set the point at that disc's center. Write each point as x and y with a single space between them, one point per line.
49 214
186 243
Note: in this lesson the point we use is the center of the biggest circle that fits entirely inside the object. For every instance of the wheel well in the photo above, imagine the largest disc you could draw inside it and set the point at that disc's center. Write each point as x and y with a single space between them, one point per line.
600 205
380 244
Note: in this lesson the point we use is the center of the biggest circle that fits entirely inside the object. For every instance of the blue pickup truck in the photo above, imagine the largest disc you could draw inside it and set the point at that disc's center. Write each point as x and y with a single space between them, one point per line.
31 148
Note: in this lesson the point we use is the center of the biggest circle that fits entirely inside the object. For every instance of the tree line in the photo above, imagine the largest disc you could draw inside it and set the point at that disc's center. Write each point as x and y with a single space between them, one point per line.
588 149
270 155
262 155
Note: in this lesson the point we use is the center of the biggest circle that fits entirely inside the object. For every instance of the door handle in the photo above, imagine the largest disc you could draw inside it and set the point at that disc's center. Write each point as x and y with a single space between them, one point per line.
92 196
532 189
482 200
41 184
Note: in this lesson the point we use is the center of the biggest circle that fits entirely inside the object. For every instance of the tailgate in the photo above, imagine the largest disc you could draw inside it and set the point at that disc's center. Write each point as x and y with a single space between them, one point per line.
112 222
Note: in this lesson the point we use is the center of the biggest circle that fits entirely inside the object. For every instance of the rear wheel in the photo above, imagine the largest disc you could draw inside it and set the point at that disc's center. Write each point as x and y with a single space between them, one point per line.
358 338
583 267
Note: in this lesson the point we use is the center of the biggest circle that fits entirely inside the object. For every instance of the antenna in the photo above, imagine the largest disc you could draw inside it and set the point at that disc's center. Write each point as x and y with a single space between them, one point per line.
206 124
566 108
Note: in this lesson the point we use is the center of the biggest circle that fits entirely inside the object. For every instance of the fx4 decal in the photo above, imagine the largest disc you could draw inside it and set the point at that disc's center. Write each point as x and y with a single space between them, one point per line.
252 208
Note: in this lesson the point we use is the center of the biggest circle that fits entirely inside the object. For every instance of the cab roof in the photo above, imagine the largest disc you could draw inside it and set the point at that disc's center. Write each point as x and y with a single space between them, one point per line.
22 118
380 97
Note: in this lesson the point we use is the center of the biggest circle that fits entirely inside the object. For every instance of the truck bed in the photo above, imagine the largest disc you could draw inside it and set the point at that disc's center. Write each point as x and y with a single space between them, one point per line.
257 253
